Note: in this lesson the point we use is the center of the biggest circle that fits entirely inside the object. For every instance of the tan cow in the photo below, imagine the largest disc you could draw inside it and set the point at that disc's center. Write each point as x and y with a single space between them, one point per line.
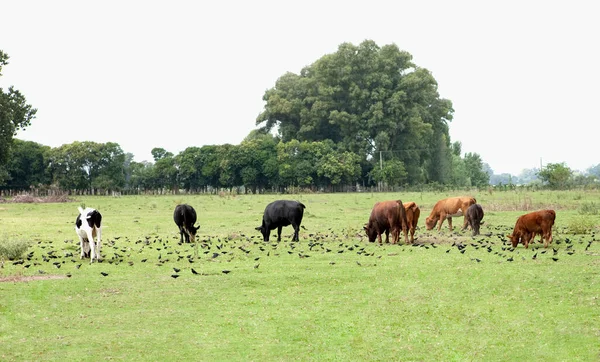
532 224
447 209
412 217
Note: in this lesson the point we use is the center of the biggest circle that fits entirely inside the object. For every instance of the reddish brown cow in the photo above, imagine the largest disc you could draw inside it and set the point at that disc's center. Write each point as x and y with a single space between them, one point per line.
529 225
387 216
412 217
447 209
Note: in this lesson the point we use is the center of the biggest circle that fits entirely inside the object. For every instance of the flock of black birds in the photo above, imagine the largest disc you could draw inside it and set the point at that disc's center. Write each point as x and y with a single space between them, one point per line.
188 257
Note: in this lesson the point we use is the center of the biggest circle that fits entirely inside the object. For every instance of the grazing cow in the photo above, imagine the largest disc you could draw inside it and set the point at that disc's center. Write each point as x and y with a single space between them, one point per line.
412 216
474 216
387 216
88 226
185 218
529 225
281 213
447 209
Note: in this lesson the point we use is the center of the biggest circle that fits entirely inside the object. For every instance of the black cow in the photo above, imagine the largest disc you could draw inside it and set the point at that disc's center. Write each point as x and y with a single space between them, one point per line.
281 213
474 216
185 218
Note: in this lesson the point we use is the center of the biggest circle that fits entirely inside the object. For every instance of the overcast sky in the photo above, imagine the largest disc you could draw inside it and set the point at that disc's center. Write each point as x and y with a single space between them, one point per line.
522 75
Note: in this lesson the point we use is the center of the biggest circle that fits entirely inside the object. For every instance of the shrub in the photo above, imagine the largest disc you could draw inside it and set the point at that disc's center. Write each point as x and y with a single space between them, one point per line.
12 249
588 208
581 225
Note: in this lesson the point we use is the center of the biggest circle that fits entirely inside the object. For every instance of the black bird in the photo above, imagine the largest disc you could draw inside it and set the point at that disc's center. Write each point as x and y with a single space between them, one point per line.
143 260
256 266
68 275
194 272
555 259
534 256
226 271
103 273
177 270
510 259
174 276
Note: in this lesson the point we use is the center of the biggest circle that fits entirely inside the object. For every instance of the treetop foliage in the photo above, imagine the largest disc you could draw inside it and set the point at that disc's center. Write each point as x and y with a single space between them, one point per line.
15 114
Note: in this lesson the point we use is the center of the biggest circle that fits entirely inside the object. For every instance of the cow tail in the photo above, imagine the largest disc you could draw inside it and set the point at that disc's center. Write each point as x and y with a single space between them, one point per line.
301 204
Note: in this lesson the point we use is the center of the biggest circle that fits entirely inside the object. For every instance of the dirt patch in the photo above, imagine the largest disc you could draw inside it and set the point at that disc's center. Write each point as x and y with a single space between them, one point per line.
22 278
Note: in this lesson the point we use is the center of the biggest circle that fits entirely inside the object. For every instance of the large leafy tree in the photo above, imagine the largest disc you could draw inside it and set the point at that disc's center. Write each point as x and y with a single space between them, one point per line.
15 114
365 98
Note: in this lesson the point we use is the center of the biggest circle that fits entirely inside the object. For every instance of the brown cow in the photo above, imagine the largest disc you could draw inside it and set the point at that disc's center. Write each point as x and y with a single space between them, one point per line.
386 216
447 209
529 225
412 216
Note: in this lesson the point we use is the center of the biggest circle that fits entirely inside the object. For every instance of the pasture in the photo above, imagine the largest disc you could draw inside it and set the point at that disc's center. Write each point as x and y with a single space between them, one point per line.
330 296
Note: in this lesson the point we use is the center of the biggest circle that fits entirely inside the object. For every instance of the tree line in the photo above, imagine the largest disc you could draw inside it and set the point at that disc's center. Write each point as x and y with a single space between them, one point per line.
260 163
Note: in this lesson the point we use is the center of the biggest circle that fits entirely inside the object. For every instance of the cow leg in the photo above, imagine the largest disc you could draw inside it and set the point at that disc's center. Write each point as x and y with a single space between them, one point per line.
441 222
99 238
92 245
81 245
180 235
387 236
296 230
279 233
395 235
405 232
450 223
465 222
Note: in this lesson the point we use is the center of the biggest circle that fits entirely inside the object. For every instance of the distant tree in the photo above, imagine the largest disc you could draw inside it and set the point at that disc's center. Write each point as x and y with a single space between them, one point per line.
88 166
556 175
15 114
528 176
475 170
27 166
594 170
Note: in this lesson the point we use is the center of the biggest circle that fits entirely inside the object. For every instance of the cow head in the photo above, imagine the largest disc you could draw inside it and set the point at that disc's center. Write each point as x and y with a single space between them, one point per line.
371 232
514 239
263 230
430 222
191 231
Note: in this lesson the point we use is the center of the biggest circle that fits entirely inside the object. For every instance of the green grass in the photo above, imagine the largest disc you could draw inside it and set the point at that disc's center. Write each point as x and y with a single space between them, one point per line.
331 296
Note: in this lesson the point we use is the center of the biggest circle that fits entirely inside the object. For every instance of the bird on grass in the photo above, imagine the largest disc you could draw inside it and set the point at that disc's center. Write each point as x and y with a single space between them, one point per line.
103 273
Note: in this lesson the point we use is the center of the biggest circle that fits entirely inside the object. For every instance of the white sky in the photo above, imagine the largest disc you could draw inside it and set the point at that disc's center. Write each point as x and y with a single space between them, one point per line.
522 75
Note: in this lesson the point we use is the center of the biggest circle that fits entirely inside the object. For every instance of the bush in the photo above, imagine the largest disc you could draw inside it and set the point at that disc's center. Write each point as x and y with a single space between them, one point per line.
588 208
581 225
12 249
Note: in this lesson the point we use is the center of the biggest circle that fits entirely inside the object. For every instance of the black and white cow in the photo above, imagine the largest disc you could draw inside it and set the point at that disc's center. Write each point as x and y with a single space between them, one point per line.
185 218
88 226
281 213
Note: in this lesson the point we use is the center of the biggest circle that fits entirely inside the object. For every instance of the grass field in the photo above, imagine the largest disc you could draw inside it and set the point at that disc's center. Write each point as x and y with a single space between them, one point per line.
330 296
